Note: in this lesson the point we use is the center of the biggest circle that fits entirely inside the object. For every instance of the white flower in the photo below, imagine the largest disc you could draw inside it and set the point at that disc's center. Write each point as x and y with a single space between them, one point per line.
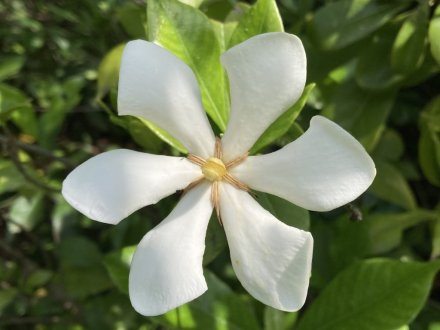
323 169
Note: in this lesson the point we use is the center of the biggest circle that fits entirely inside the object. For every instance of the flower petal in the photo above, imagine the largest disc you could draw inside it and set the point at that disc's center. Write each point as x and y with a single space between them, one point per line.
266 74
112 185
271 259
156 85
323 169
166 270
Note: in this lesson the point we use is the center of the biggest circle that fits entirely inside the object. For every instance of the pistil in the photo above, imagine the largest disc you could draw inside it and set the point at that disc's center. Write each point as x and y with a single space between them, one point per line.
215 171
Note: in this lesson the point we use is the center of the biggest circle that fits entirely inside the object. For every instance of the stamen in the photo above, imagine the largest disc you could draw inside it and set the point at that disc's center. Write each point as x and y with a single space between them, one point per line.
196 159
236 183
236 161
193 184
215 170
215 200
218 148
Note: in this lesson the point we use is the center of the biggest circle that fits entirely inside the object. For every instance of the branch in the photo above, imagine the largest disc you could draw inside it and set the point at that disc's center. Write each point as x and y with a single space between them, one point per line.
36 150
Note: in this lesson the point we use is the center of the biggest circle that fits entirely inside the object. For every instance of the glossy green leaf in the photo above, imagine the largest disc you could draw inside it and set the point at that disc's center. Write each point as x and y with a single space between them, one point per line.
340 23
118 266
189 34
215 240
218 308
15 105
373 69
409 47
26 212
10 178
429 142
164 135
262 17
377 294
390 147
434 34
193 3
429 155
363 113
108 71
82 272
132 18
275 319
391 185
385 230
62 97
10 66
280 126
435 252
285 211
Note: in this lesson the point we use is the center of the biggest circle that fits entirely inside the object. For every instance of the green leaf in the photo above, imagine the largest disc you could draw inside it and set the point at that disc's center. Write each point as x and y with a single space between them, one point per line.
218 308
262 17
390 147
435 252
108 71
215 240
280 126
62 97
434 34
15 105
82 272
78 251
193 3
164 135
118 266
373 69
341 23
391 185
409 47
363 113
10 66
6 297
38 278
377 294
26 212
189 34
429 142
429 155
385 230
278 320
132 18
10 178
285 211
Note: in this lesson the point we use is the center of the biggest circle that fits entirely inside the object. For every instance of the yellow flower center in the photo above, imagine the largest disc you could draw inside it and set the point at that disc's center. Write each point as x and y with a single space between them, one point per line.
214 169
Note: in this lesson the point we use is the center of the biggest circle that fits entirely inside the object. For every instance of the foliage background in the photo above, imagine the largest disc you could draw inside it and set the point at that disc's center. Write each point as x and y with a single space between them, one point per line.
372 67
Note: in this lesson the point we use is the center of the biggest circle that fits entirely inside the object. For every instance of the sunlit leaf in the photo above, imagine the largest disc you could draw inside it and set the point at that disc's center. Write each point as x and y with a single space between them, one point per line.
362 113
262 17
118 266
108 71
218 308
434 34
375 294
409 47
188 34
340 23
281 125
10 66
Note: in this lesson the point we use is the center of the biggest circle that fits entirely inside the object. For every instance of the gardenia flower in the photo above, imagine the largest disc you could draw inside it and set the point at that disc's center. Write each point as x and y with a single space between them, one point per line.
321 170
